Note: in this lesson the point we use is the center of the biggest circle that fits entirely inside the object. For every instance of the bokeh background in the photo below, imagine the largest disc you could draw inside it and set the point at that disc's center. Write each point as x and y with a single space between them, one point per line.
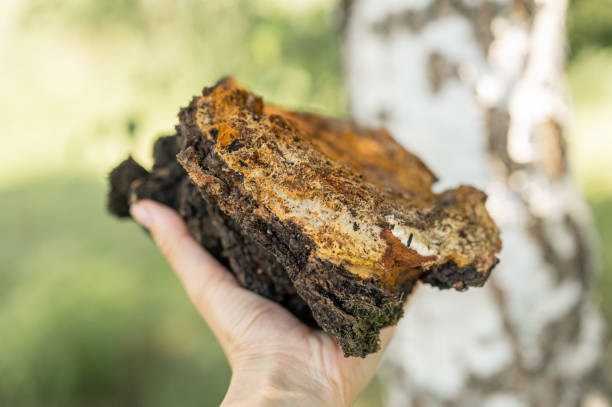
90 313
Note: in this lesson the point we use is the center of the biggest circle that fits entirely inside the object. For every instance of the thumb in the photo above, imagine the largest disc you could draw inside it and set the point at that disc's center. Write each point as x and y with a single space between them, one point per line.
208 284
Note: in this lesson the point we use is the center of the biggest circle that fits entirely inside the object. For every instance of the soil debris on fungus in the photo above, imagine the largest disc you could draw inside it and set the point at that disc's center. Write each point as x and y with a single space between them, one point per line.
334 221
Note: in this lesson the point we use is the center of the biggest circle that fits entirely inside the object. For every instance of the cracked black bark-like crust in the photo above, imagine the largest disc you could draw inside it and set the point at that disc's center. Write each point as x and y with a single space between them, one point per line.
350 309
271 258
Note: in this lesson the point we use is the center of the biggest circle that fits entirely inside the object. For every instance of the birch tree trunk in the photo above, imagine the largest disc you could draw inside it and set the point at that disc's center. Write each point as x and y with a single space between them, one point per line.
476 88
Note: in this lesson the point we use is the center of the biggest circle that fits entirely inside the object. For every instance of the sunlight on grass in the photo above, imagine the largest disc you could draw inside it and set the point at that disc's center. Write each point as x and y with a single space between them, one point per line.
95 316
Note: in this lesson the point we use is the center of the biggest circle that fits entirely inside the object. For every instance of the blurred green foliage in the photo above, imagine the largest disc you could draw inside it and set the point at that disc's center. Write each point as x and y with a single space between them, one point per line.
602 214
589 25
89 312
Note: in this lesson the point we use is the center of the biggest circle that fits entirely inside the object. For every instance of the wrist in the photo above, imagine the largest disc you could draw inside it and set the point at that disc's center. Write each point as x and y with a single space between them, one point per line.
261 388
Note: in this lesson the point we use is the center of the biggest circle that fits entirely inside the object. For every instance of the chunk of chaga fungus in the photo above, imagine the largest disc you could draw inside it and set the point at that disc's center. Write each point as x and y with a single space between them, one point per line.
334 221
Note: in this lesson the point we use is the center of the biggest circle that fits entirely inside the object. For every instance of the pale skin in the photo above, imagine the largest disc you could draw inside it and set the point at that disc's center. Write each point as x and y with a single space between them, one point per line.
275 359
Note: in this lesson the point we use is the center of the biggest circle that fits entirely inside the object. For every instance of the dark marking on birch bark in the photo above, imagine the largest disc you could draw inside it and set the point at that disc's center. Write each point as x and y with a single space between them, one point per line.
523 10
440 70
346 11
509 328
479 16
497 122
552 148
585 249
382 116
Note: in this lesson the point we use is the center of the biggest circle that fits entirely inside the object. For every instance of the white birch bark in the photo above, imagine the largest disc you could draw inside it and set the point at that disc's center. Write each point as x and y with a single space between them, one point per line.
476 88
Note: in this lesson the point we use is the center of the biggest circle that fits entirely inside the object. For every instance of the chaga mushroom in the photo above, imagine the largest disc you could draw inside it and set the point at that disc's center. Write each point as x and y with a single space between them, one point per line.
334 221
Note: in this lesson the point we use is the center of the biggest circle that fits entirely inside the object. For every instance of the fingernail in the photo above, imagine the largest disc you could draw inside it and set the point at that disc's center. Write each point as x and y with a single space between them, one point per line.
142 215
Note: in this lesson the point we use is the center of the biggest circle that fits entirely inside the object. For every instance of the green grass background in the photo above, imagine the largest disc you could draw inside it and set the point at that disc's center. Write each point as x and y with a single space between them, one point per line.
90 313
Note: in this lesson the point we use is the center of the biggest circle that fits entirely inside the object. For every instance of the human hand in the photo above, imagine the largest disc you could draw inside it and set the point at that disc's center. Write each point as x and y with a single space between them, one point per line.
275 359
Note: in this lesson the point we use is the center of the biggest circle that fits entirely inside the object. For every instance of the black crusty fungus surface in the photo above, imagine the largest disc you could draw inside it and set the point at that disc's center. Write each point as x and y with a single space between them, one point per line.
350 279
